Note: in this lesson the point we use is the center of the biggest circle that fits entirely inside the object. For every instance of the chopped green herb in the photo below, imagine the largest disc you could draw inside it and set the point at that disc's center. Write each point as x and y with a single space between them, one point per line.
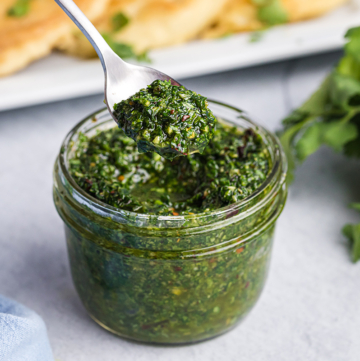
109 168
167 119
272 12
20 8
143 57
256 36
352 231
125 51
227 35
330 117
119 21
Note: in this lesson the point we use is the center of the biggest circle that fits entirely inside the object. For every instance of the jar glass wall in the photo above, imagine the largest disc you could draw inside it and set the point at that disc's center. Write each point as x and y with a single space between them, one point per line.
169 279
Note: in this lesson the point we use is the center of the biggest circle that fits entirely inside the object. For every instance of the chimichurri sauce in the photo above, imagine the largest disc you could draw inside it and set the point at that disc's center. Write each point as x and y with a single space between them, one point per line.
109 167
166 119
169 279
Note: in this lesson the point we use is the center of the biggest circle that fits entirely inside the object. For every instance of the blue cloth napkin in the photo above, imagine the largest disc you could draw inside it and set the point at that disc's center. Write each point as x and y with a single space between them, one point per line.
23 335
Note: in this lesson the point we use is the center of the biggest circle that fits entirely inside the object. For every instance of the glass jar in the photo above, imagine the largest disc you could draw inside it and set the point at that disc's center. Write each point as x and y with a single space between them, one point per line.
169 279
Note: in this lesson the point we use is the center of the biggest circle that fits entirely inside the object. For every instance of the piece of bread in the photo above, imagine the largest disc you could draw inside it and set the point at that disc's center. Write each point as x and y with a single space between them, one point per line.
152 24
33 35
238 16
242 15
306 9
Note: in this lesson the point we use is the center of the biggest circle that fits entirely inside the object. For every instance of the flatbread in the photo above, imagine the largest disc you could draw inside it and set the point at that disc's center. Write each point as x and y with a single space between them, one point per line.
238 16
32 36
152 23
242 15
306 9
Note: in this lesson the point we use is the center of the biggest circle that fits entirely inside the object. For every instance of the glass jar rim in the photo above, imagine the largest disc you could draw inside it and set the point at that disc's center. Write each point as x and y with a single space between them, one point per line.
279 165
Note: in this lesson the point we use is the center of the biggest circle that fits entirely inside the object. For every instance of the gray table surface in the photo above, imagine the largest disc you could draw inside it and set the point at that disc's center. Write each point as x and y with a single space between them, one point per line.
310 309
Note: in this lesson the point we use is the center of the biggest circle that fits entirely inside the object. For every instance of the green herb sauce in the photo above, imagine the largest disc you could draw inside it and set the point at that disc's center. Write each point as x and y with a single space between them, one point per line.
164 297
179 280
166 119
232 166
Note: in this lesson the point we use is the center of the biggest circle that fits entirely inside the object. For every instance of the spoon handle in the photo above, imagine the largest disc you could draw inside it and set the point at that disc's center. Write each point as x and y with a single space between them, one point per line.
87 28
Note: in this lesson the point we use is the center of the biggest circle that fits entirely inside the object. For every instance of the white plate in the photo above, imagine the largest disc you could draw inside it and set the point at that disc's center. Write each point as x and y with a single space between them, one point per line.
60 77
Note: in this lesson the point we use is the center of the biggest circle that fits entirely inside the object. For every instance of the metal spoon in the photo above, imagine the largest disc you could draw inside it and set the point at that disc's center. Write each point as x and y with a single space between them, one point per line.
122 79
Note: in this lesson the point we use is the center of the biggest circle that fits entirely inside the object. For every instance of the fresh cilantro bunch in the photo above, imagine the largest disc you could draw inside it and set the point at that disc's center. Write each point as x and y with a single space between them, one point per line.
331 116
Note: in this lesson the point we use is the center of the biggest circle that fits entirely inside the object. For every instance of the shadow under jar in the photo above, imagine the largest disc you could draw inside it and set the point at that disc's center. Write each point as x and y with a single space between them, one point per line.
169 279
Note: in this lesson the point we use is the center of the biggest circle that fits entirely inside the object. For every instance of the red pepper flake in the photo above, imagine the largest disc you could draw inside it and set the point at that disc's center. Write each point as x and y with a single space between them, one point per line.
239 250
231 214
175 213
250 132
241 151
247 284
185 117
88 181
161 323
172 111
177 269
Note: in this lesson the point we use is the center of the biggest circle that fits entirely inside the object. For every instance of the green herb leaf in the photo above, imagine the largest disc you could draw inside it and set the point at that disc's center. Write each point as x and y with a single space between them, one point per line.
261 2
331 116
20 8
343 89
273 13
144 57
125 51
256 36
337 134
352 231
349 66
355 206
310 141
119 21
316 105
352 48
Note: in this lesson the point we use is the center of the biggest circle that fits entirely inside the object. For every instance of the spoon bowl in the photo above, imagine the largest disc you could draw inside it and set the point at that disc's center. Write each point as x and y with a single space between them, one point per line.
122 79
